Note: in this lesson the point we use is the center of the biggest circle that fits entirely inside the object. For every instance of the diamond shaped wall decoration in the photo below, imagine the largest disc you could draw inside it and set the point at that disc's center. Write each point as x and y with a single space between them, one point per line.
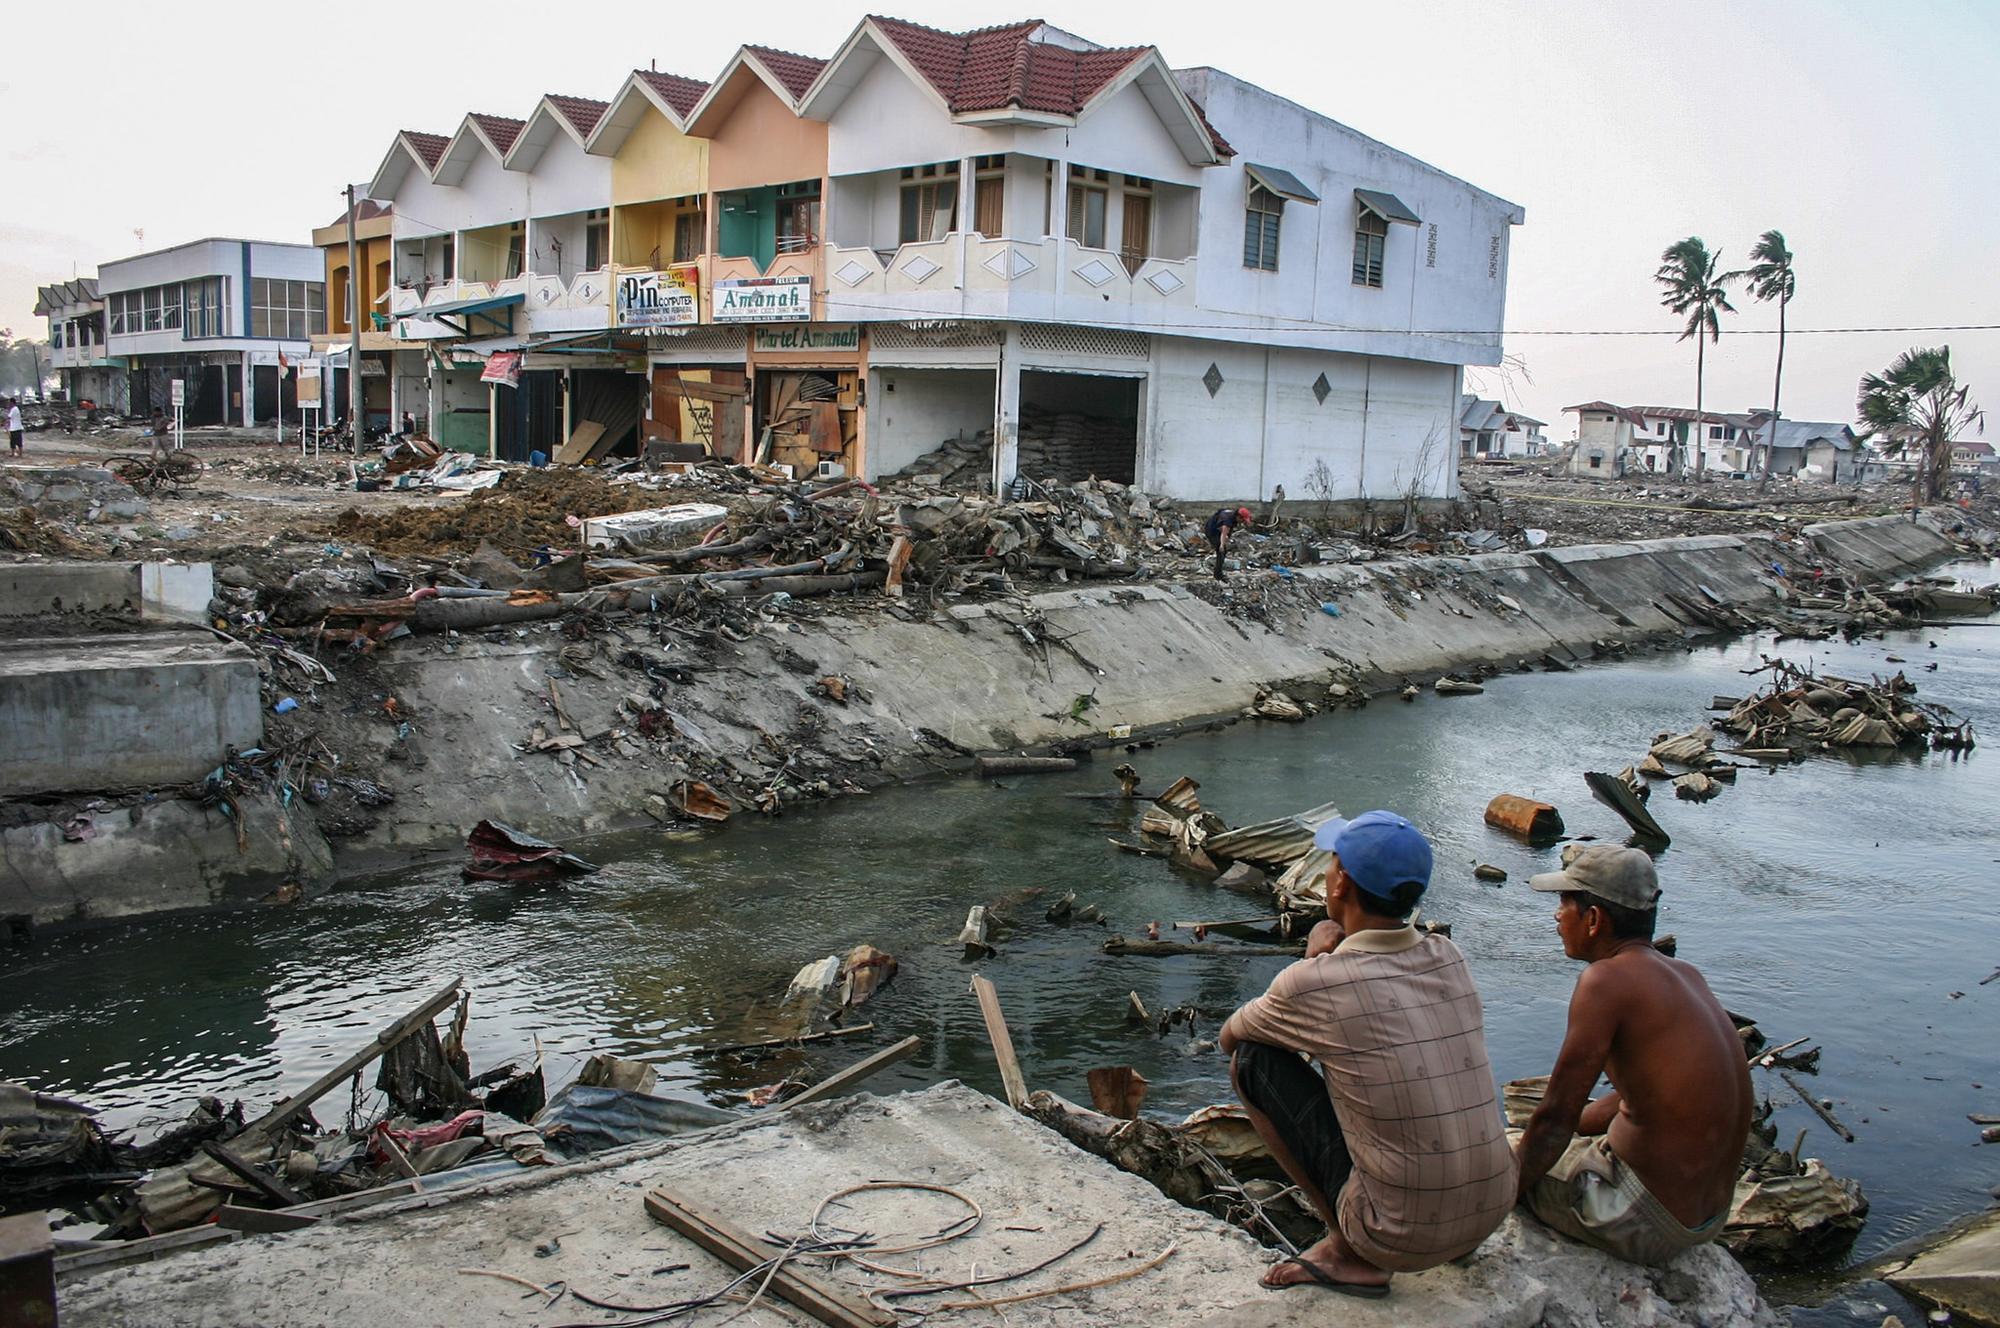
1095 272
1164 281
1212 380
586 292
853 272
920 269
1322 389
1010 263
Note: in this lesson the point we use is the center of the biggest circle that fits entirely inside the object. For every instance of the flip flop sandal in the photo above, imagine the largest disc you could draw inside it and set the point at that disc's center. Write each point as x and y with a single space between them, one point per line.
1320 1277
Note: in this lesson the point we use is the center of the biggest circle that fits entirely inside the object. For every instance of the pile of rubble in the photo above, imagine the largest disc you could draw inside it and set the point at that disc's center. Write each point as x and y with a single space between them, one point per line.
42 508
1053 447
1800 711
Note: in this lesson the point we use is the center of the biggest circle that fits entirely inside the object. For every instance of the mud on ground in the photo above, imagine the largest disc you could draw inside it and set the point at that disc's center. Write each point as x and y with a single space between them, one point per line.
528 510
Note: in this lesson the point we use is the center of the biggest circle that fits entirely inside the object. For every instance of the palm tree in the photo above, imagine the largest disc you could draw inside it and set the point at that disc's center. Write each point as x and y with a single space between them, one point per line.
1918 403
1771 278
1697 291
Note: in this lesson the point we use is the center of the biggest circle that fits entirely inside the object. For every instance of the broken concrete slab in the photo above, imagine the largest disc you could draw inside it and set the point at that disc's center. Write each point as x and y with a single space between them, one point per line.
1961 1273
399 1263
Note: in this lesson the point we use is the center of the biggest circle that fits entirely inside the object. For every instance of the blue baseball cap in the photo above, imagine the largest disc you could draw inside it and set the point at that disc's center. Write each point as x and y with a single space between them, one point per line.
1381 851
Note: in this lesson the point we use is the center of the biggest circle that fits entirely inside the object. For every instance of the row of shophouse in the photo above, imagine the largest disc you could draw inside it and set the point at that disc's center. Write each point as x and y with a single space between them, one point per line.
1615 441
842 262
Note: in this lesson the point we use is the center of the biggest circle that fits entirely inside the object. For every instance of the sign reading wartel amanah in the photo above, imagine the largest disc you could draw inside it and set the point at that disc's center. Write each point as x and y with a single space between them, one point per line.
846 336
762 299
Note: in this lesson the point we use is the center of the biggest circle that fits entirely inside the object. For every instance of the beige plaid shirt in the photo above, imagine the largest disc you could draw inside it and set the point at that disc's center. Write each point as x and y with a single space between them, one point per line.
1395 1023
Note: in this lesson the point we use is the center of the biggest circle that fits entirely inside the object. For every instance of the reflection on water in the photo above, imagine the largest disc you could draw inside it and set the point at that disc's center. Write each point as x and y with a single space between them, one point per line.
1849 902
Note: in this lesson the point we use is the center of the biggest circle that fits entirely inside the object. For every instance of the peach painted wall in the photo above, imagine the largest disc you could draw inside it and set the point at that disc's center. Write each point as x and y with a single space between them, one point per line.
762 142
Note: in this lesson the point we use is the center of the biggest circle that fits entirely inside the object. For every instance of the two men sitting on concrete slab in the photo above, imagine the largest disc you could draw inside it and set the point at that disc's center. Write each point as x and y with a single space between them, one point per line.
1647 1170
1398 1140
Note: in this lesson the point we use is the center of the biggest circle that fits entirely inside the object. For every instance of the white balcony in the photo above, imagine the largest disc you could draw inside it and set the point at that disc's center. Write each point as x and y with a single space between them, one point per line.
974 276
581 303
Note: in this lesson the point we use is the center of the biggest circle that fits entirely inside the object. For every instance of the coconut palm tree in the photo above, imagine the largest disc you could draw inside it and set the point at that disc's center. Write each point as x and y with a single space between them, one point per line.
1771 277
1695 290
1919 404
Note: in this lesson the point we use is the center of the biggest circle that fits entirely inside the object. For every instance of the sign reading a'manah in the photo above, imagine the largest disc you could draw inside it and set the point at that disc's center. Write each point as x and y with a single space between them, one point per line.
845 336
763 299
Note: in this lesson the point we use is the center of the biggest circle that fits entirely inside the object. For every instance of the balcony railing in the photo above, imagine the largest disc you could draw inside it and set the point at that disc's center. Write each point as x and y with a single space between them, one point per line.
987 277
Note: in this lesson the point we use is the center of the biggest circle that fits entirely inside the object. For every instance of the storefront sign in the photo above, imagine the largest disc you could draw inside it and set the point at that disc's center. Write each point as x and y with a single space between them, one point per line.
659 299
763 300
841 337
503 367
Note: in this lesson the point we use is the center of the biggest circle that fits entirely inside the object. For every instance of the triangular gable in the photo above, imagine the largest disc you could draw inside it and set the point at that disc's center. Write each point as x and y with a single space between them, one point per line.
643 92
786 74
479 132
1013 74
554 115
412 148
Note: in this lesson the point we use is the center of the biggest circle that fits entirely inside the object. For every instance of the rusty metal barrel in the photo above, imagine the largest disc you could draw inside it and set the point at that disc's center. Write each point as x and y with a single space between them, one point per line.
1524 817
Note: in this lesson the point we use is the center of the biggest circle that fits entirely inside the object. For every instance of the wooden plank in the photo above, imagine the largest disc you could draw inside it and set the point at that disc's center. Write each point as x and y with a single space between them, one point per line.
261 1220
741 1251
279 1193
116 1252
836 1084
1003 1043
581 440
387 1038
1118 945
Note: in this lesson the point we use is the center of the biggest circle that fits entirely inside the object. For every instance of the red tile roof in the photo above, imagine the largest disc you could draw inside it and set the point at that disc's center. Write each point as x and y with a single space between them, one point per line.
795 71
583 113
503 130
429 146
989 69
1222 148
677 92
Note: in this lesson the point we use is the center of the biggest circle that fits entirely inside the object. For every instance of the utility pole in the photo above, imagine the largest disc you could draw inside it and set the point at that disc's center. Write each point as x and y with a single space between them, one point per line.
356 424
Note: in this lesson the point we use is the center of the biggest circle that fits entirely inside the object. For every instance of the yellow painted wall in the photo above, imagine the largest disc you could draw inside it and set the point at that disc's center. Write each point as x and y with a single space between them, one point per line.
658 161
761 142
374 252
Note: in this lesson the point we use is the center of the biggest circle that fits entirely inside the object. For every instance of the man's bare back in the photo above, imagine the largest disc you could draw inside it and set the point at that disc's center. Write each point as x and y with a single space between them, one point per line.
1680 1077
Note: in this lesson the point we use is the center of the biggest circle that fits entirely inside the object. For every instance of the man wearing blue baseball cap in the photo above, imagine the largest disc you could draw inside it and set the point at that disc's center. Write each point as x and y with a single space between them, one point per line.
1398 1141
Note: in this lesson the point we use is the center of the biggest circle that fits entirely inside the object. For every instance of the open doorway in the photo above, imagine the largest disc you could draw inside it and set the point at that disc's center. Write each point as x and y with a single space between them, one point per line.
1078 426
807 416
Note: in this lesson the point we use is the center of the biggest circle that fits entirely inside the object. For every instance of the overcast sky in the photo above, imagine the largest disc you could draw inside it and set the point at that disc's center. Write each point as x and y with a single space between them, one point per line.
1865 132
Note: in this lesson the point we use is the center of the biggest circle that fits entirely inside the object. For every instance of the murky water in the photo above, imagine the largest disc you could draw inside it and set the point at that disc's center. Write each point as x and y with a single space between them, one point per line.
1851 901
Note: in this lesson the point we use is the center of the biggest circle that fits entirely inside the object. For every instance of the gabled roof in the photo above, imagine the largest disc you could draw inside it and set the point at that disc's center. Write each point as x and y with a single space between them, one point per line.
644 91
1479 413
796 72
1624 413
412 148
554 114
1024 72
785 73
477 132
1973 447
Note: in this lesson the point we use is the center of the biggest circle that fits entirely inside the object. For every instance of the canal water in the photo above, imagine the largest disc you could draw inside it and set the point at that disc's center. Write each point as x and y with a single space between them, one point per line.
1846 900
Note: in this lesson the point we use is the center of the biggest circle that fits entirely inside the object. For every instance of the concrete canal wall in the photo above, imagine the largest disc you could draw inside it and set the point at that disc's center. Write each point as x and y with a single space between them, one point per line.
985 676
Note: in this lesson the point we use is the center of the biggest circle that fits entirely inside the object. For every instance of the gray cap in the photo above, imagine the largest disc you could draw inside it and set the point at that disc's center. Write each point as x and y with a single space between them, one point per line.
1616 875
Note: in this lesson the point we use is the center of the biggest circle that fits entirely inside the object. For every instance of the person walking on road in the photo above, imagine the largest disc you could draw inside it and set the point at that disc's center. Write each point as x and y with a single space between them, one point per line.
14 430
1219 527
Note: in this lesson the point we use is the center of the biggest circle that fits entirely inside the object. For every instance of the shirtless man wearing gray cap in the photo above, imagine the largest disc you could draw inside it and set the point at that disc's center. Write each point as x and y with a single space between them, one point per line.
1647 1170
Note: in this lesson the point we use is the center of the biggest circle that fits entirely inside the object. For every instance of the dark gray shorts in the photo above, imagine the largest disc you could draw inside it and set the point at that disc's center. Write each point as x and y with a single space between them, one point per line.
1285 1087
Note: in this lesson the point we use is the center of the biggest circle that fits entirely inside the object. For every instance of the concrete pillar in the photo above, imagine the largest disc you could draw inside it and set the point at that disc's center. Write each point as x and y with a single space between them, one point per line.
433 396
1007 409
1059 225
249 391
492 421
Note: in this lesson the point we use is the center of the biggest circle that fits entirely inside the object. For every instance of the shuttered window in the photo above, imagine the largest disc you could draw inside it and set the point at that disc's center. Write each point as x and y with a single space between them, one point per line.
1371 235
1260 229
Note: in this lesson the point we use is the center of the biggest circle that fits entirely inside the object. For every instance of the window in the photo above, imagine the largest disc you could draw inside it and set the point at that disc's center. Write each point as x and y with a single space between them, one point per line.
203 304
929 203
1087 208
596 239
690 233
989 194
798 216
1261 216
1660 428
286 310
1715 432
1596 461
1371 235
150 298
1135 242
170 308
517 249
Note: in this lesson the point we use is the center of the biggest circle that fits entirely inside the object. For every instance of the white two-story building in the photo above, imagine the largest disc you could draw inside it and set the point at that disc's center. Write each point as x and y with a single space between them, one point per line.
1079 257
75 313
216 314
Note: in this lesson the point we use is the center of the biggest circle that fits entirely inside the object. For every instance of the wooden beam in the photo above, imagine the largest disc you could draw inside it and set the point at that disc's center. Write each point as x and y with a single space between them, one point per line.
1003 1044
1118 945
326 1083
261 1220
741 1251
279 1193
836 1084
117 1252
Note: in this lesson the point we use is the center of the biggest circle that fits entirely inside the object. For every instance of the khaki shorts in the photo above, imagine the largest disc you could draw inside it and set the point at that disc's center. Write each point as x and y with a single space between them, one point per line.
1592 1196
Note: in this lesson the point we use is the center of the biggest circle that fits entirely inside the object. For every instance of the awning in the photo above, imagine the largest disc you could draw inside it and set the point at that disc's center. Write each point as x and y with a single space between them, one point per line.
458 314
1386 206
1281 182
